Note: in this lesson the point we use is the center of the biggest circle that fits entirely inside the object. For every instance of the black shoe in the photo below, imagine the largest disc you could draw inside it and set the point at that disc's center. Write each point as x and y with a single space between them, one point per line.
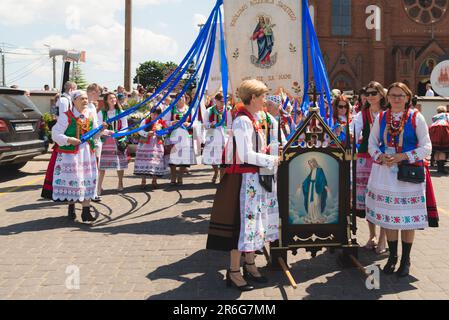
248 276
391 265
404 269
230 283
86 216
72 215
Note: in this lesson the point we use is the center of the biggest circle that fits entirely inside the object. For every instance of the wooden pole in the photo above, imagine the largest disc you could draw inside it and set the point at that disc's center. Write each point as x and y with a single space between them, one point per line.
287 273
358 265
54 72
128 44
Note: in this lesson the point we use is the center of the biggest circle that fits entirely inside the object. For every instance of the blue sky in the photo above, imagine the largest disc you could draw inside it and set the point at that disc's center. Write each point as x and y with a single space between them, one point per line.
163 30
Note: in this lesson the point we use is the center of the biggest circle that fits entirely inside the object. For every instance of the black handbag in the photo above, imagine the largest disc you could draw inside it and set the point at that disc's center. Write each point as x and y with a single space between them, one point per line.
411 173
266 182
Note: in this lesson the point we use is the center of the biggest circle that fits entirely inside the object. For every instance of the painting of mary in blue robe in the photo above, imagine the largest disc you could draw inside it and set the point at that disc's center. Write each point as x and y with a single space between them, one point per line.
315 191
265 41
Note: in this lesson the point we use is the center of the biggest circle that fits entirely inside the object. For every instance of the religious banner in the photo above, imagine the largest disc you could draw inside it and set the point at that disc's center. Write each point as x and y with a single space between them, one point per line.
264 41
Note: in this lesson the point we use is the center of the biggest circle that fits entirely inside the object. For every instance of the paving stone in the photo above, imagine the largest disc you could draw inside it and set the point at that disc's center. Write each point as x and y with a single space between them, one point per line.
157 251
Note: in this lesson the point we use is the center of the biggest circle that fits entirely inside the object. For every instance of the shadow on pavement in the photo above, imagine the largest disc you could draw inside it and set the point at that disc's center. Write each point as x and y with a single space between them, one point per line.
199 276
346 284
38 225
14 189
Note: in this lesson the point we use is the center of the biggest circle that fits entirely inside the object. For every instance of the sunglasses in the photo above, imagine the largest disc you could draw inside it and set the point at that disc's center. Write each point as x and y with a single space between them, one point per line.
372 93
340 106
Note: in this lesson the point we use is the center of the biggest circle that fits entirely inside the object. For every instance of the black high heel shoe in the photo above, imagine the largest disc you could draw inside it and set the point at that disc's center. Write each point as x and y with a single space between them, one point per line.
247 275
71 213
404 269
86 216
391 265
230 283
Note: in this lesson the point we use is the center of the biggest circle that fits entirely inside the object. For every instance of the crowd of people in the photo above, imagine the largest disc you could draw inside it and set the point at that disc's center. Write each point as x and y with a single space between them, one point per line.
242 141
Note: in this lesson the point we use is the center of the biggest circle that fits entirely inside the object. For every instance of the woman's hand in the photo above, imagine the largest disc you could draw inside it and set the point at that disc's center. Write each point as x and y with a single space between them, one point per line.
396 158
186 124
74 142
384 158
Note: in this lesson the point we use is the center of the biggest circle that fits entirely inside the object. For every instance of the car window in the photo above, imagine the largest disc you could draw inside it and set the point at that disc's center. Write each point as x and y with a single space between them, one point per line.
13 103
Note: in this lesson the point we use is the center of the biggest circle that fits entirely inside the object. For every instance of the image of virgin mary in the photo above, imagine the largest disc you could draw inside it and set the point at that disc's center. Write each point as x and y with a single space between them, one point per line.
315 190
263 34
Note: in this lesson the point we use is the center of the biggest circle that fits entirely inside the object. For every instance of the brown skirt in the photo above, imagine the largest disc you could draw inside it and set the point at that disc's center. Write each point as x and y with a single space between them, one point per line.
224 228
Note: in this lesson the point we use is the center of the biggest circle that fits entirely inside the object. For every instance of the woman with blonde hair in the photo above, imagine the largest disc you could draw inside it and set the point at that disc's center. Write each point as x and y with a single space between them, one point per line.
244 217
396 191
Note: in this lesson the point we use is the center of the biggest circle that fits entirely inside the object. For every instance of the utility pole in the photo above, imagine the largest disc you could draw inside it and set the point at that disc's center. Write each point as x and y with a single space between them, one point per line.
128 44
54 72
3 68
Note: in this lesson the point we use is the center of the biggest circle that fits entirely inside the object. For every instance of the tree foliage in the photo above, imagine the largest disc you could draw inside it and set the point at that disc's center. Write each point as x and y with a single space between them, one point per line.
77 76
152 74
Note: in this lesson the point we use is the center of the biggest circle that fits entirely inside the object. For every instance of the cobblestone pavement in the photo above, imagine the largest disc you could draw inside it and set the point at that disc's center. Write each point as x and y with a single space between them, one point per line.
150 245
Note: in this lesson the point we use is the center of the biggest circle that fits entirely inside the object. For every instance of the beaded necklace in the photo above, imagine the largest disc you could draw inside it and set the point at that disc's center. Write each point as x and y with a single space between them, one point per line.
395 130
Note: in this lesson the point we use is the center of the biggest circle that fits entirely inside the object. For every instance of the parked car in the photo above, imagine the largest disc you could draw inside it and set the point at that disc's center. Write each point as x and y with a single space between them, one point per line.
21 129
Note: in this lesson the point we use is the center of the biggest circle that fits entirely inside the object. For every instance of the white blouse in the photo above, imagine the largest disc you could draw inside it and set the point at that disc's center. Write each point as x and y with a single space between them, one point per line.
245 138
58 131
112 114
357 126
423 150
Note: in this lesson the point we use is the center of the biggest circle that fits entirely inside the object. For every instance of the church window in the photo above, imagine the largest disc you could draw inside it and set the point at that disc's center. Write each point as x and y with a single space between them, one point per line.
341 18
425 11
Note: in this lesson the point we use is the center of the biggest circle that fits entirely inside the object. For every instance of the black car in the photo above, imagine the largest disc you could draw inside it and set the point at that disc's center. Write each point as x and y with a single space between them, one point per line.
21 129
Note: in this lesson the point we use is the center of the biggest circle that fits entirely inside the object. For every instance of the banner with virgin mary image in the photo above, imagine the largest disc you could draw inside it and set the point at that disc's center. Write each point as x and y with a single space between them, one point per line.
264 41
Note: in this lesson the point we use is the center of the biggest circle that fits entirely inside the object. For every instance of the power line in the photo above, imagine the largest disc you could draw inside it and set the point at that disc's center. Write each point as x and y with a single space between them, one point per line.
20 70
26 74
25 54
12 46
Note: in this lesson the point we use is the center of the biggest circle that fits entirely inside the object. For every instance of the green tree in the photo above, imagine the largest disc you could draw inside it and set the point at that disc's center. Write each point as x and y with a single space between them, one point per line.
153 73
77 76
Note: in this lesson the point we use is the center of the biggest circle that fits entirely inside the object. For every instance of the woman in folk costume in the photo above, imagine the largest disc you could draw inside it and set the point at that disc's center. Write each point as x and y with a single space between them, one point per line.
114 154
63 104
363 122
150 159
216 137
243 217
399 139
342 116
75 172
439 134
183 153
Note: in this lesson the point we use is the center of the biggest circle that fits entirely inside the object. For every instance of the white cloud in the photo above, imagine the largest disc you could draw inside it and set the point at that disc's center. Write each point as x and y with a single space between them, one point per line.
94 28
105 47
198 19
99 12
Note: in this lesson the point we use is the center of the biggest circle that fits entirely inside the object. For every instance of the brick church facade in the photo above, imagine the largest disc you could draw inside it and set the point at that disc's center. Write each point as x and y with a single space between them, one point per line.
412 39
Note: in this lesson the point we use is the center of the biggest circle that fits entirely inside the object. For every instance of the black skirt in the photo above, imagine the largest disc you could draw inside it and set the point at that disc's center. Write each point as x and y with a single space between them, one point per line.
224 228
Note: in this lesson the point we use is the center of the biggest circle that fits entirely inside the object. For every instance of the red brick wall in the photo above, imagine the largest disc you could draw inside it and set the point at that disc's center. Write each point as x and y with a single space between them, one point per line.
378 61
